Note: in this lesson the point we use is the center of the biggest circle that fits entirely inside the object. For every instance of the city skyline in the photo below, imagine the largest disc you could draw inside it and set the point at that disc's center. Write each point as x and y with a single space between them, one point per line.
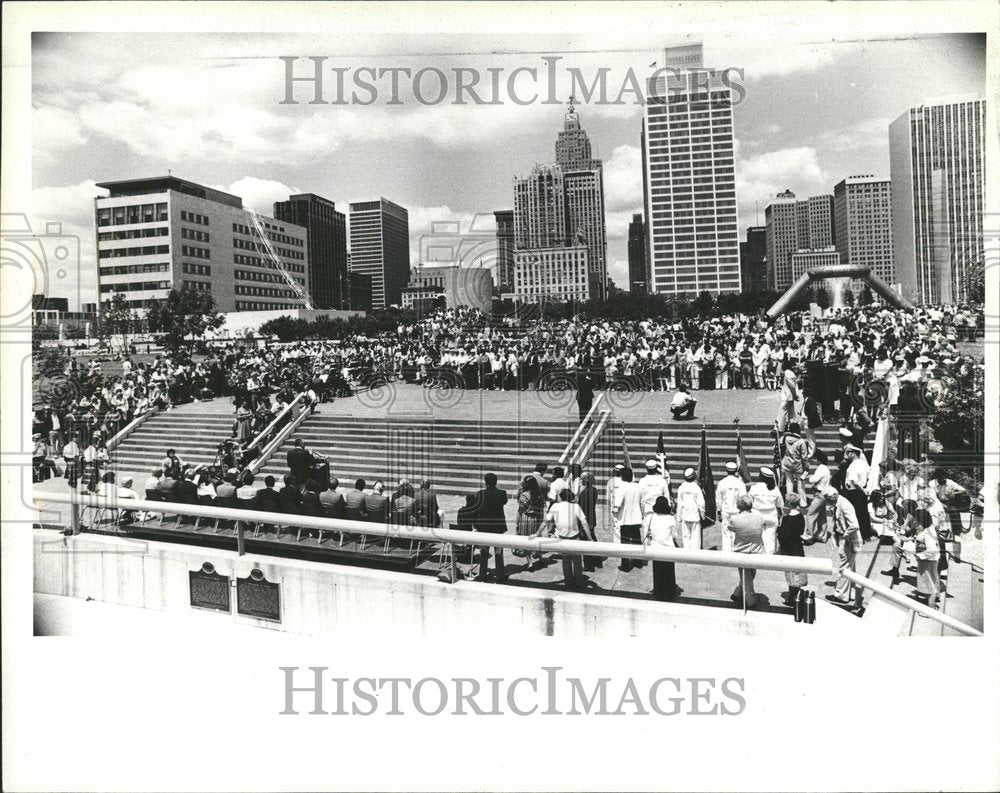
812 115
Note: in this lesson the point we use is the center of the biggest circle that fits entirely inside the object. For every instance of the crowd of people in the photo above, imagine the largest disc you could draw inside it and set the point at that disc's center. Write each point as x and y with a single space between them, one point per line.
855 368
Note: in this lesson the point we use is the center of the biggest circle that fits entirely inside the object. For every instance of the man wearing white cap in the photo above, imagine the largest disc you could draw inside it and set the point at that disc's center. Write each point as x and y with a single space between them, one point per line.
855 482
652 485
610 494
728 490
690 510
846 534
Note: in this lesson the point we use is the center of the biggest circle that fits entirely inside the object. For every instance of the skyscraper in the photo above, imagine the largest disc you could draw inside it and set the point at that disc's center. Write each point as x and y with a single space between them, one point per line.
505 249
380 248
795 225
753 260
584 185
638 278
690 179
327 233
863 224
936 168
562 204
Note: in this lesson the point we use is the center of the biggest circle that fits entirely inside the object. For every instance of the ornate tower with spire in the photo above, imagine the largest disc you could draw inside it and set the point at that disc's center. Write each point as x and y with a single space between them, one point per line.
573 145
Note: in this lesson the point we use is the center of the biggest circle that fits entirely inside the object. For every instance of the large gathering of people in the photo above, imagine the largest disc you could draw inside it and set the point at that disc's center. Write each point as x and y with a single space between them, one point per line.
853 370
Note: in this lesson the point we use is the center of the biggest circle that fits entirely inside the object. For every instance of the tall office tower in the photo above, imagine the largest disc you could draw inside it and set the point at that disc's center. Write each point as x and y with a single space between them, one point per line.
638 278
327 246
380 248
584 184
753 260
164 233
863 211
690 179
937 170
505 250
539 209
793 225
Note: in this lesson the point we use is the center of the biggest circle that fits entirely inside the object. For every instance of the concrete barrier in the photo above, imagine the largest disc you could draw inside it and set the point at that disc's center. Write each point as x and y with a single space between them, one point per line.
326 599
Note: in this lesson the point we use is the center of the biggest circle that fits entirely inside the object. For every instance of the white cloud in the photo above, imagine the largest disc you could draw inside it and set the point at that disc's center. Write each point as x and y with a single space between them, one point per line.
623 179
871 133
54 130
70 206
443 235
760 178
260 194
618 272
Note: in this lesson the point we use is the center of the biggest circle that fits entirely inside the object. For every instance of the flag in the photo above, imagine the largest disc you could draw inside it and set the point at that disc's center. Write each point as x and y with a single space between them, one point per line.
777 456
741 459
705 479
661 454
625 454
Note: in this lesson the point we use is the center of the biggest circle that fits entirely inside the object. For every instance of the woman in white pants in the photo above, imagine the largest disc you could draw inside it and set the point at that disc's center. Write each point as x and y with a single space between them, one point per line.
767 502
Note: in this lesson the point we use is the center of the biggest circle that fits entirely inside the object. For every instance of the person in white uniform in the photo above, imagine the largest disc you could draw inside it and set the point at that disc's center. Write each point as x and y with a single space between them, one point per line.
690 510
767 502
728 491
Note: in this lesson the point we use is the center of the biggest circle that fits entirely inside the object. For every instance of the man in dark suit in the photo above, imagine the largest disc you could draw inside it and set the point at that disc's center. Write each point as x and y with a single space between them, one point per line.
377 504
299 461
354 502
426 505
331 501
490 520
267 497
290 497
187 490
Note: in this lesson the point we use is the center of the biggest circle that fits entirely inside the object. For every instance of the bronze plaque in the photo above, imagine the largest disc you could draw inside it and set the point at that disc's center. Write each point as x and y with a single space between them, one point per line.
209 589
258 597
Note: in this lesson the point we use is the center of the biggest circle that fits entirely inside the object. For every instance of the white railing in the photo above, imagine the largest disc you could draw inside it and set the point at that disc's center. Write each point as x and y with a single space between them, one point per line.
564 458
131 427
792 564
915 607
256 442
452 537
282 435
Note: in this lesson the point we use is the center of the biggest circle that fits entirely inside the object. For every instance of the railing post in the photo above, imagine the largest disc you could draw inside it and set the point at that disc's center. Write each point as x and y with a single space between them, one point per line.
452 562
74 513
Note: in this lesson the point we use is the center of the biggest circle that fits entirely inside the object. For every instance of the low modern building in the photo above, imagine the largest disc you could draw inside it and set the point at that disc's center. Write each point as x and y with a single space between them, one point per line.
554 274
457 285
164 233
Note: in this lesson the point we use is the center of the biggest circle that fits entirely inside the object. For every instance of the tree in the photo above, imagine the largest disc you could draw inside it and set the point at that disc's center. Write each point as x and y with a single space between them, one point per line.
974 283
184 313
119 318
849 299
866 298
822 297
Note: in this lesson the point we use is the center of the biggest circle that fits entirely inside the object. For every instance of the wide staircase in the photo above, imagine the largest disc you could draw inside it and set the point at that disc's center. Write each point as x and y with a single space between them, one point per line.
194 434
453 454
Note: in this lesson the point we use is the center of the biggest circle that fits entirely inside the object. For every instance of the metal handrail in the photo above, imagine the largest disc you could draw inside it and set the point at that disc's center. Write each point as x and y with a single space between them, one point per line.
791 564
565 456
263 433
131 427
275 443
901 600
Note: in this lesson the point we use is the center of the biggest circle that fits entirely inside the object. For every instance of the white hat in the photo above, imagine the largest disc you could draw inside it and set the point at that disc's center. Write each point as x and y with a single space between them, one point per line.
652 464
619 467
689 474
768 472
852 448
845 433
732 467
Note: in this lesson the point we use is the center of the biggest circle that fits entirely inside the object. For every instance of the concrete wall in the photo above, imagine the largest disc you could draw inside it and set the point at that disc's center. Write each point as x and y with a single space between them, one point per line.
319 598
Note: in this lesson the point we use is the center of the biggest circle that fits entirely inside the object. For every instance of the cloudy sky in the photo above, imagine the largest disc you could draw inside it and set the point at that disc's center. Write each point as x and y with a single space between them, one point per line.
208 108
